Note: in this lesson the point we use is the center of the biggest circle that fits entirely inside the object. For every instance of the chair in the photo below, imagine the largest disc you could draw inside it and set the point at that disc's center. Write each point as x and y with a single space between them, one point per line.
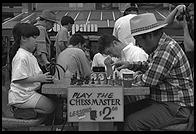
11 123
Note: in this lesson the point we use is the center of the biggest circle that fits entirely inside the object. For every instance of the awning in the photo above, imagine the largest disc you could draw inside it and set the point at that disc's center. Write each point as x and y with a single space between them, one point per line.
102 18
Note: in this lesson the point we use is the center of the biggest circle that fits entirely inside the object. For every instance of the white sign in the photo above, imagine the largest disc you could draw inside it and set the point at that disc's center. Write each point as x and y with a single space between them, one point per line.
95 104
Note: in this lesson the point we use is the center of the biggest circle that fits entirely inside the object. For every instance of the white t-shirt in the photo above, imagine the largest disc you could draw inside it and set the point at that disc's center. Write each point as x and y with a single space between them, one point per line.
98 60
122 29
24 64
133 53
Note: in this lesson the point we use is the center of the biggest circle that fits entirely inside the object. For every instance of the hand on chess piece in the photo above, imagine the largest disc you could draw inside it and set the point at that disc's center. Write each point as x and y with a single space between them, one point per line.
108 61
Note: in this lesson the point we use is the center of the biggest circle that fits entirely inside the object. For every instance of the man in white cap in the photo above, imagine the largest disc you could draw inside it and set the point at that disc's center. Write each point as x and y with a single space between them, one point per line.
122 25
168 74
46 22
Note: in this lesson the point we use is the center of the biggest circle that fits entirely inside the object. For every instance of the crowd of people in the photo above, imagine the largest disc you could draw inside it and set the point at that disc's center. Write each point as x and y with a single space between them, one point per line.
138 44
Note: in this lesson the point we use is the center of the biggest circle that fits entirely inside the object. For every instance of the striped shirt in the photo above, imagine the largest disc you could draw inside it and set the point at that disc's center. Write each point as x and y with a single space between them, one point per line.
167 73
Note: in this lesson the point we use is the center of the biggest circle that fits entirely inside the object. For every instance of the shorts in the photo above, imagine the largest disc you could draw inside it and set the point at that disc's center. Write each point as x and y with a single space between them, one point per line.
31 103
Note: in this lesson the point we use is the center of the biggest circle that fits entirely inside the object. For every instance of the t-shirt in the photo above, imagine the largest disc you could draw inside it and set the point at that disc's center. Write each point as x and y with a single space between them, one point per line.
122 29
133 53
61 37
24 65
98 60
74 60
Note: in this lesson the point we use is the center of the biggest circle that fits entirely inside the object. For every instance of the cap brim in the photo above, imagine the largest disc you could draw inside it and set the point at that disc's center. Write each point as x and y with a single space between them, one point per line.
149 30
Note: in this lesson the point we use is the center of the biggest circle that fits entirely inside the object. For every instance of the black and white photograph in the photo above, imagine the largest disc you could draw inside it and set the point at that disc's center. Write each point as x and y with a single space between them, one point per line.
98 66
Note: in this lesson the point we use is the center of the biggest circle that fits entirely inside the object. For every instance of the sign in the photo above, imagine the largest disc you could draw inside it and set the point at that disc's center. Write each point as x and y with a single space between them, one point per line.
84 28
95 104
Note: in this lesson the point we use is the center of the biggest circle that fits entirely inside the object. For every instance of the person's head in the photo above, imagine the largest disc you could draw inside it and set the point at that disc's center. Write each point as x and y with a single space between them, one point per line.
146 31
110 45
48 17
67 21
77 40
131 10
25 35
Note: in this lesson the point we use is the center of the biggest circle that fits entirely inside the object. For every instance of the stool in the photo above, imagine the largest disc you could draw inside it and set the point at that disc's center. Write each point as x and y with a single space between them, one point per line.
11 123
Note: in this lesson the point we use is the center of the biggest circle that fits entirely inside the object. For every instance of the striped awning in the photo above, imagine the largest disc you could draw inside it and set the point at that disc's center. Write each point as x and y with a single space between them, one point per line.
100 18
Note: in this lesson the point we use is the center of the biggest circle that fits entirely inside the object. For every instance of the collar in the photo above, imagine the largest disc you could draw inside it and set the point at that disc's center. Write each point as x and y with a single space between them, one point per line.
161 42
25 51
162 39
125 49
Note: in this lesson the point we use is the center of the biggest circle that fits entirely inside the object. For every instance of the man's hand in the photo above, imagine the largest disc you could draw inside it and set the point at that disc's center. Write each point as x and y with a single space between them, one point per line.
108 61
122 65
181 8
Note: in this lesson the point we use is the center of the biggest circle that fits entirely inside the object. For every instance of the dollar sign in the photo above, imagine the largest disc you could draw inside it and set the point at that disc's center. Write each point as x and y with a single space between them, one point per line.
100 113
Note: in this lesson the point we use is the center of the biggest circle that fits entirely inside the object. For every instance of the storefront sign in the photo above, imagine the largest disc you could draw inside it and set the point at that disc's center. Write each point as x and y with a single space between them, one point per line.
95 104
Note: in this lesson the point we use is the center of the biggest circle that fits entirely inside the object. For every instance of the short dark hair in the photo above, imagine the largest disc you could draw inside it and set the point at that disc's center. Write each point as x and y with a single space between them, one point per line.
66 20
105 41
22 29
76 39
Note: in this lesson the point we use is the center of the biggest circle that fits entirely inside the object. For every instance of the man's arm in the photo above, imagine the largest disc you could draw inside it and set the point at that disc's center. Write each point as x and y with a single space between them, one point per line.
188 42
171 17
134 66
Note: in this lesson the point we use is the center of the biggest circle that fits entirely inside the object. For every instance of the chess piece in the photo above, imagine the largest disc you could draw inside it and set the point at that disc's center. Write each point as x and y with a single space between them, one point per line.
98 81
86 80
92 81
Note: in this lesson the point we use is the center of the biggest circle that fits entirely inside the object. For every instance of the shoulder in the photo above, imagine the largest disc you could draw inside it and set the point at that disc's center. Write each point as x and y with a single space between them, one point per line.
136 49
98 55
20 57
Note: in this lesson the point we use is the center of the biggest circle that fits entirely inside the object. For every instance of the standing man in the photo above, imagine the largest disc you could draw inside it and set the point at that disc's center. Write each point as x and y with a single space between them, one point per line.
122 25
42 52
183 17
167 73
63 35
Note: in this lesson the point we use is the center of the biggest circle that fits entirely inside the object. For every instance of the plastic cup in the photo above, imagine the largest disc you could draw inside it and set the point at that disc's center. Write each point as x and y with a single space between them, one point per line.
127 79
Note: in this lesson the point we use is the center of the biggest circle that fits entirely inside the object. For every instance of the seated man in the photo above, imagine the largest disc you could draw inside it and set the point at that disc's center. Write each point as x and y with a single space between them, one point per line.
73 58
168 74
110 45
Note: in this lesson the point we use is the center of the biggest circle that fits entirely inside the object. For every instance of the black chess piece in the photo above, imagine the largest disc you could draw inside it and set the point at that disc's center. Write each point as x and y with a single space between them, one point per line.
86 80
80 81
92 81
72 80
